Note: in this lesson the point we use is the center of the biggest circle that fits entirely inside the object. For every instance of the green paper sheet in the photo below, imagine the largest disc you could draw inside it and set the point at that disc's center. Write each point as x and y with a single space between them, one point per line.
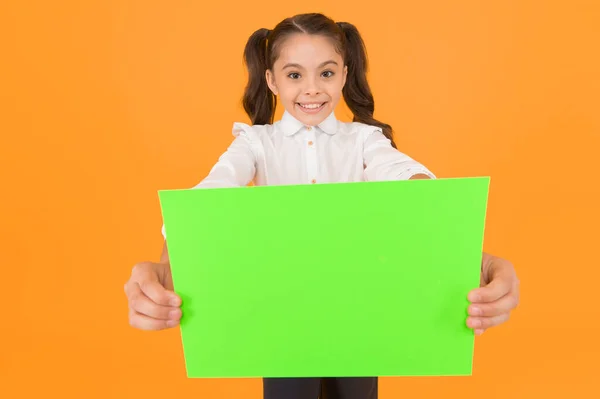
345 279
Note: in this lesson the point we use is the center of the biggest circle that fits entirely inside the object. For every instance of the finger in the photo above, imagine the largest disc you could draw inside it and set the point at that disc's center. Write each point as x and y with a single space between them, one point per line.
479 323
144 305
144 322
153 289
496 289
503 305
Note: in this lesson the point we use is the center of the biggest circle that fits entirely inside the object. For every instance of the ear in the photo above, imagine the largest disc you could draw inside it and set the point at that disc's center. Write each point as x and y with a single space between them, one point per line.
345 75
270 77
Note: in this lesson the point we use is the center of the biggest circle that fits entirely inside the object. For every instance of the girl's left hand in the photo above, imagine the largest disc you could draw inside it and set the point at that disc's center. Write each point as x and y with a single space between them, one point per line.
497 296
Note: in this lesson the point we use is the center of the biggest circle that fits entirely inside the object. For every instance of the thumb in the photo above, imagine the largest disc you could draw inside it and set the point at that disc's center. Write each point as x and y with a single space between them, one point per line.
496 289
148 280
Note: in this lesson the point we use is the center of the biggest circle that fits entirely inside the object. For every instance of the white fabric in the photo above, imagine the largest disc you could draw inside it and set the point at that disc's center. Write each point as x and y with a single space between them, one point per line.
287 152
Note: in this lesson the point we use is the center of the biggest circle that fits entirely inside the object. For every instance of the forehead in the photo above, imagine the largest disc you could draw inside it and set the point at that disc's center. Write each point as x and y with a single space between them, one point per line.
307 50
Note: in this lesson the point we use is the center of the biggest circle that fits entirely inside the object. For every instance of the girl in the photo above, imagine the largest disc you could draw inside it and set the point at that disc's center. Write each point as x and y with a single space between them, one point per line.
309 62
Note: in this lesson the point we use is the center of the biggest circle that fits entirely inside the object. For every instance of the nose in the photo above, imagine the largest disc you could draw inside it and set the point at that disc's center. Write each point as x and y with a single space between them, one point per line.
313 87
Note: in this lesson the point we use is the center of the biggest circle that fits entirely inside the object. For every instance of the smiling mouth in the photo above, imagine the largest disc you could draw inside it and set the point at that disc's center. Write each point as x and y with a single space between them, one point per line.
311 106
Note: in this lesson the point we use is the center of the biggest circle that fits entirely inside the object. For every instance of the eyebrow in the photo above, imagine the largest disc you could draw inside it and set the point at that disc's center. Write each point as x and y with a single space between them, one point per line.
293 65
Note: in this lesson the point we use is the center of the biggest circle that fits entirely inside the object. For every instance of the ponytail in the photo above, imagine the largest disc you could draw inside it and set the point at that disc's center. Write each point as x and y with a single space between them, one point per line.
261 51
357 93
258 101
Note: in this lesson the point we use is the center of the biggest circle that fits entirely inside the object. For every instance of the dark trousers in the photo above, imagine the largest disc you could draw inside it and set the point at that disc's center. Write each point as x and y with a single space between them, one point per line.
320 388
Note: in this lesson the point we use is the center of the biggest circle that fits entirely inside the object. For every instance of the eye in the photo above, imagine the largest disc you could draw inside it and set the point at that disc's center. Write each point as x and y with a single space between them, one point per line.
294 75
328 74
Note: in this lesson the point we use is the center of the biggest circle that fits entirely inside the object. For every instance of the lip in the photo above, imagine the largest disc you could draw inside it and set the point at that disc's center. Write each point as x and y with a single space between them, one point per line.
313 110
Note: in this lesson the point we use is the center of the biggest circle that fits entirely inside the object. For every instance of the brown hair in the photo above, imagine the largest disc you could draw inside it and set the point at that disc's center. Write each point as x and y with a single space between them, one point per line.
262 50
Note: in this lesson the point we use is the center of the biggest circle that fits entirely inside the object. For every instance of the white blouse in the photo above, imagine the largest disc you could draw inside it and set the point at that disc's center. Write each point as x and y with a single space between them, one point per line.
287 152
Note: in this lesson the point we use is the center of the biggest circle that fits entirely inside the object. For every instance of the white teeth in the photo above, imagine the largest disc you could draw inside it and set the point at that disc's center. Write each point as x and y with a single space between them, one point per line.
310 106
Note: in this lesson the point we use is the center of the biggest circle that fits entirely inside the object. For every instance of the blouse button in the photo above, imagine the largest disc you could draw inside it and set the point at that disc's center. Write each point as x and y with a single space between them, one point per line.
314 181
310 143
308 128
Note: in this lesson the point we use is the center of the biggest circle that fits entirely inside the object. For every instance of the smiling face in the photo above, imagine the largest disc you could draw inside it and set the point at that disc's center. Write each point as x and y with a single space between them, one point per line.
308 76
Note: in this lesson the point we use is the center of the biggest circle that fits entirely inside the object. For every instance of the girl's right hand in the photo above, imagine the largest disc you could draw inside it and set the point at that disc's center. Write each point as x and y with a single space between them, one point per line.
152 303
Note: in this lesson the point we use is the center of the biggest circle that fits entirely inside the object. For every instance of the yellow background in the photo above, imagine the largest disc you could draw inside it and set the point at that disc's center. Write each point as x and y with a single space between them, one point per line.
102 103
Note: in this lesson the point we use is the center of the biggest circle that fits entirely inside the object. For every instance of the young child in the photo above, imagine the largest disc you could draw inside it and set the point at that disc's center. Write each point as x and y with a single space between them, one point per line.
309 62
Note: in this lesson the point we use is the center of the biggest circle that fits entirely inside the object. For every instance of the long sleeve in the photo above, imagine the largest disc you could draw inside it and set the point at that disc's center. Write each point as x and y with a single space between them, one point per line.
235 167
383 162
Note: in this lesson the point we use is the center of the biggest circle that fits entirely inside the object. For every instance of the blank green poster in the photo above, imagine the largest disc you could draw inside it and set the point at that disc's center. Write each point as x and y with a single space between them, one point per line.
347 279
